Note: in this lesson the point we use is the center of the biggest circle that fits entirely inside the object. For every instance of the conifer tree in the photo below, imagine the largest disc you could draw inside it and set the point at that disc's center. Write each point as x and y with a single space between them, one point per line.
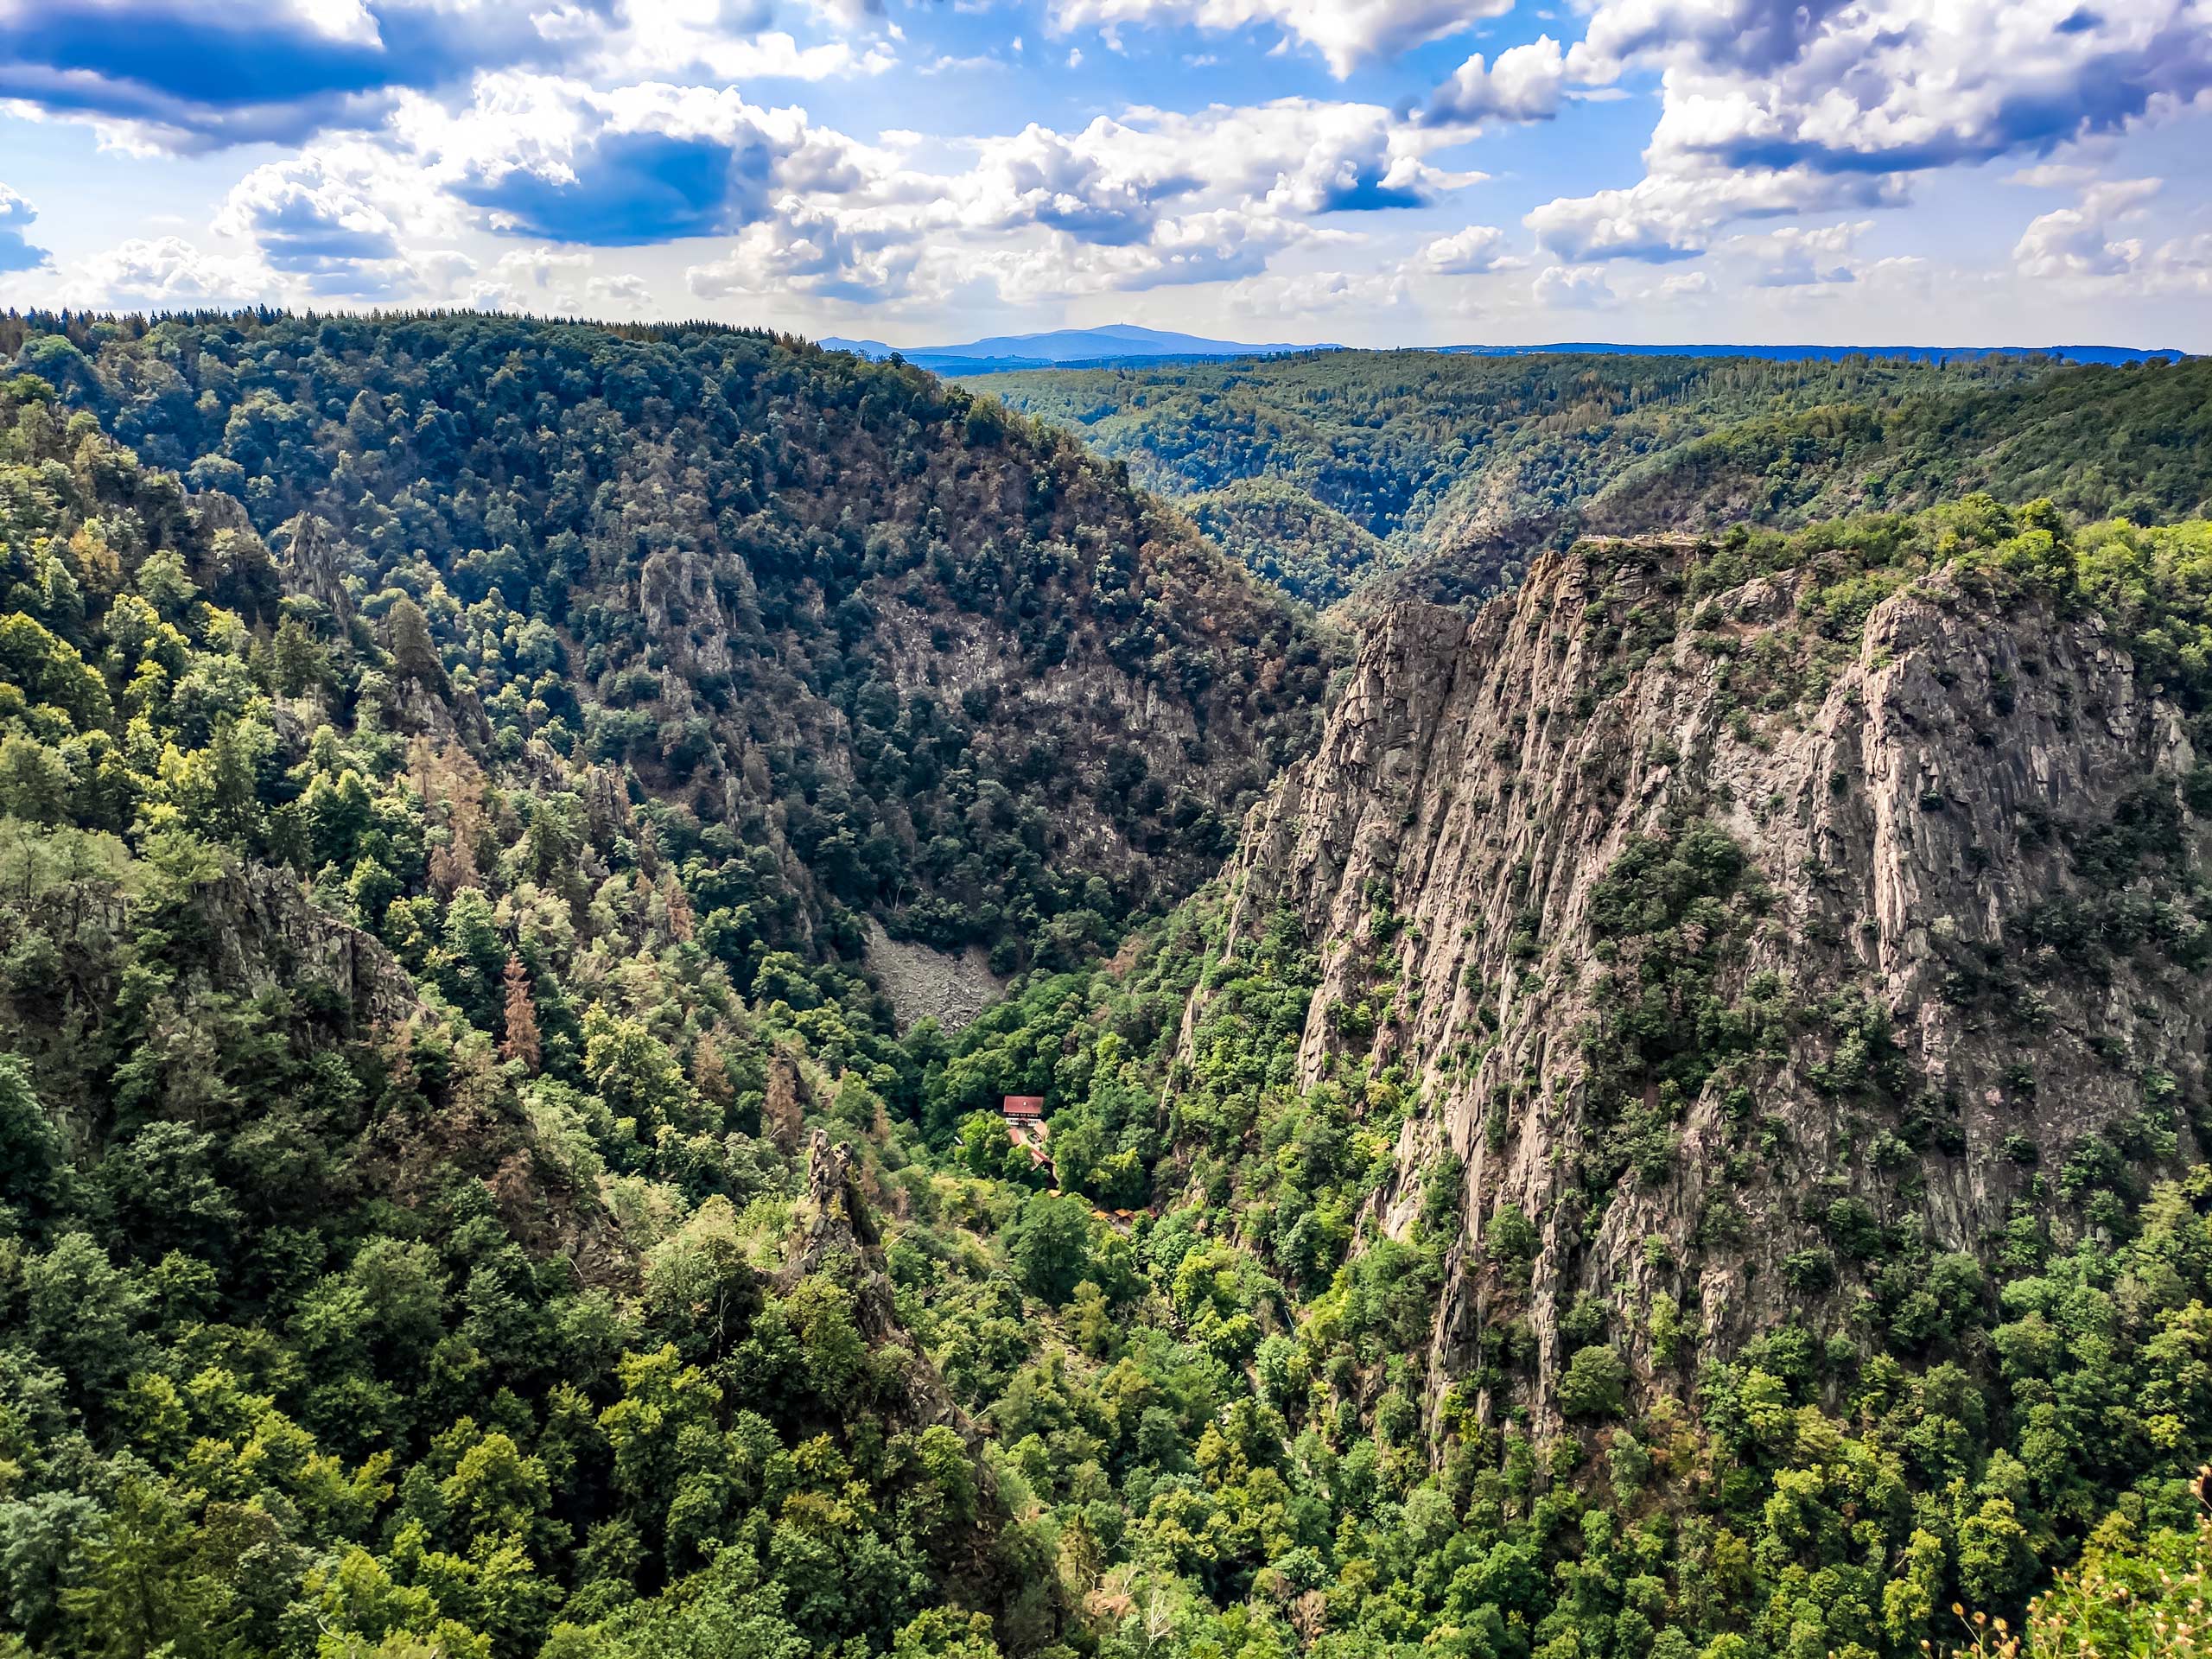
522 1042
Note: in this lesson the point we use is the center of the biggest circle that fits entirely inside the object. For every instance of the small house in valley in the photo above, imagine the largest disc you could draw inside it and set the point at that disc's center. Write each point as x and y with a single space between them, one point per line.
1025 1126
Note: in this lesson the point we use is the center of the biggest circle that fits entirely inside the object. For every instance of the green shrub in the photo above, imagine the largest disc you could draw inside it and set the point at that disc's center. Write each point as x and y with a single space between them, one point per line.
1595 1382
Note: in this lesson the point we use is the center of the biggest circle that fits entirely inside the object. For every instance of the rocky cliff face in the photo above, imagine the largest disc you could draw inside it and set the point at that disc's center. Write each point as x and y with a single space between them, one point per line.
263 935
1715 964
837 1235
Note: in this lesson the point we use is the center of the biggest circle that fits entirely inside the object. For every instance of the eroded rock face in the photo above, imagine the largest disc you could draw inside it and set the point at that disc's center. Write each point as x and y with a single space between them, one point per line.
265 935
837 1235
311 567
1909 833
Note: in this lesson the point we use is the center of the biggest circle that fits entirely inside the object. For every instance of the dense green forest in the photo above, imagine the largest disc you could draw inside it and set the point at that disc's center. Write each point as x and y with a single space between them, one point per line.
879 638
1460 467
2096 441
459 1198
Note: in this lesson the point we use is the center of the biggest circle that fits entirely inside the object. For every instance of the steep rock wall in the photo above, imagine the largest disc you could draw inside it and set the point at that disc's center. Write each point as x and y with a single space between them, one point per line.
1915 837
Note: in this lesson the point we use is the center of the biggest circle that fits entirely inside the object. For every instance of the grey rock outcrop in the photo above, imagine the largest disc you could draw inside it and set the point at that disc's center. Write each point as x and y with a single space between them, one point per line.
1479 778
311 567
837 1235
263 935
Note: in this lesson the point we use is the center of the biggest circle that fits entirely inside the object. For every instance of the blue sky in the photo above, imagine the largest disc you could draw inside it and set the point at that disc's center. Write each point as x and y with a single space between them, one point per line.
1374 172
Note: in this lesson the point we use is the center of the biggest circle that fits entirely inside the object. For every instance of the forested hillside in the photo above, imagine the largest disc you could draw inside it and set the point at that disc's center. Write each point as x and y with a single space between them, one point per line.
2132 441
1462 467
1423 450
903 657
460 1198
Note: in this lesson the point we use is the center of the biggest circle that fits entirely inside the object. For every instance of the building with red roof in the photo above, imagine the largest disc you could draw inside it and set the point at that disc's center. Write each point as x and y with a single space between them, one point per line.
1025 1127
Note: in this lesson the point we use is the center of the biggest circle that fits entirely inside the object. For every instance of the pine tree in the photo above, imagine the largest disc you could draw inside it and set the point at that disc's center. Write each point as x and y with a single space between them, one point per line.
300 664
413 651
521 1043
451 778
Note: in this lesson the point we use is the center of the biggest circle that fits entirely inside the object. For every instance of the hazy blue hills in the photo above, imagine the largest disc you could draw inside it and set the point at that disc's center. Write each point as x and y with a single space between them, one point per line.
1067 348
1123 344
1826 354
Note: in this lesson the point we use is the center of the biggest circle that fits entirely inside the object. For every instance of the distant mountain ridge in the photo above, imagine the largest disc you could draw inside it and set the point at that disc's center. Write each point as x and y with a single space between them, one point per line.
1066 348
2107 354
1128 343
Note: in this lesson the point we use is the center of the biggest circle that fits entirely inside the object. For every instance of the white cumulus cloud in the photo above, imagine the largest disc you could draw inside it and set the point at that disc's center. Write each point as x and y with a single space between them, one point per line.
1807 107
168 273
1795 257
15 251
1343 31
1674 215
1524 84
1469 252
1572 288
2084 241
